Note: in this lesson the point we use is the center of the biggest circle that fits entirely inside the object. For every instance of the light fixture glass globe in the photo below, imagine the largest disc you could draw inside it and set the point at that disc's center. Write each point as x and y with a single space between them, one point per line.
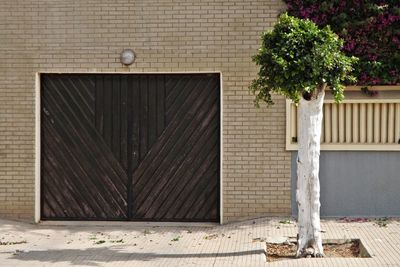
127 56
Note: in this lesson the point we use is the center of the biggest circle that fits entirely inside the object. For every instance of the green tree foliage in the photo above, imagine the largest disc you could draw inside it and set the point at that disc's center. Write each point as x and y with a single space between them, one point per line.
370 30
297 58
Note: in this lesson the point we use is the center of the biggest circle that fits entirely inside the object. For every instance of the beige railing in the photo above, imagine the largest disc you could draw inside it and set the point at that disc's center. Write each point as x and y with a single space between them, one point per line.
355 124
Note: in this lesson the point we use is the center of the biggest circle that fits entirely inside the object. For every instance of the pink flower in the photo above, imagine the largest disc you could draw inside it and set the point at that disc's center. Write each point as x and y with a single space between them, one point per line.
372 57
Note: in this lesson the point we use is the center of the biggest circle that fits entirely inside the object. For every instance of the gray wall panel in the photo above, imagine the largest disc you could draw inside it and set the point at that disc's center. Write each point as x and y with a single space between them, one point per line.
355 183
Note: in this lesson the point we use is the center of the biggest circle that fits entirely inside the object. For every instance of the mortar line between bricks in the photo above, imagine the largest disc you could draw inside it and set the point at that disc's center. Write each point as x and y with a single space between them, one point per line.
216 254
370 235
382 253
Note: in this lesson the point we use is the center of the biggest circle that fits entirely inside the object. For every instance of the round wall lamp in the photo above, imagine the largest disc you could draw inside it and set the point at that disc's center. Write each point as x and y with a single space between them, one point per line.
127 57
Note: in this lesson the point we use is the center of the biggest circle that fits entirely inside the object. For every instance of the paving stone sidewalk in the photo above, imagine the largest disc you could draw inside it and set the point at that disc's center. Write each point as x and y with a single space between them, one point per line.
236 244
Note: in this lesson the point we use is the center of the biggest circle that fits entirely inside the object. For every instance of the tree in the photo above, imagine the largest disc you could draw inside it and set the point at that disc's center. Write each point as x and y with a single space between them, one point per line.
299 60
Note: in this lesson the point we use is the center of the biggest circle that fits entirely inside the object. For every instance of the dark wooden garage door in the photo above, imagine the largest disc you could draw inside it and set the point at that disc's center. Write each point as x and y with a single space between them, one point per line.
130 147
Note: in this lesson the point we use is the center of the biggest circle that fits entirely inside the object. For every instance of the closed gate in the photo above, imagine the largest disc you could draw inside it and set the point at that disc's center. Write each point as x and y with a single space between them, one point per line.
130 147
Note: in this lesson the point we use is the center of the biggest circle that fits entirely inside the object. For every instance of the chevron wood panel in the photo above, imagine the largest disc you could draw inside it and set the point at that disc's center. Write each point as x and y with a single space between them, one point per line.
175 172
130 147
81 178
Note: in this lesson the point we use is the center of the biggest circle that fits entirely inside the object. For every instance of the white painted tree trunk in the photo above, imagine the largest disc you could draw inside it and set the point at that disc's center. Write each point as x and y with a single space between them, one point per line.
308 188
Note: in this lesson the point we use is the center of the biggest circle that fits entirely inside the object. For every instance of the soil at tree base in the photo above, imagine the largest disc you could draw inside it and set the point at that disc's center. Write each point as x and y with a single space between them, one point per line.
278 252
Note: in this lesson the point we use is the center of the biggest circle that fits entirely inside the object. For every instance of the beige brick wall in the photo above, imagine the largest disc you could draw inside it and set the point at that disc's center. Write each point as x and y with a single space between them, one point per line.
167 36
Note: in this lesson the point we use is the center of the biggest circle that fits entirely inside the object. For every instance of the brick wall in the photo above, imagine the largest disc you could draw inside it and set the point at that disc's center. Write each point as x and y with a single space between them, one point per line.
167 36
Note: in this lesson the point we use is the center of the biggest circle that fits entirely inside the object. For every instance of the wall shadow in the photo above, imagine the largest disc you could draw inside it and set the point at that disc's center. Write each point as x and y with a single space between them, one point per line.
96 256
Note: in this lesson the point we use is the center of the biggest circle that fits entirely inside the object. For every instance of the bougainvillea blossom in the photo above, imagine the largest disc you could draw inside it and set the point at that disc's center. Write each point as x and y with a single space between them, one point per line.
370 28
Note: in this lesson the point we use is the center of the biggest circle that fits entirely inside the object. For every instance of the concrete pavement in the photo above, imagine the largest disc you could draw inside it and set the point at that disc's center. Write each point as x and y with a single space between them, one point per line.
235 244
